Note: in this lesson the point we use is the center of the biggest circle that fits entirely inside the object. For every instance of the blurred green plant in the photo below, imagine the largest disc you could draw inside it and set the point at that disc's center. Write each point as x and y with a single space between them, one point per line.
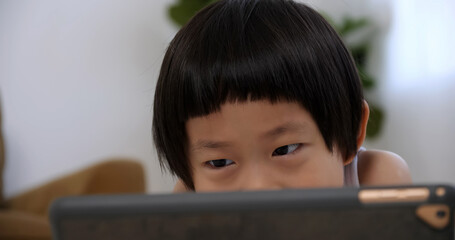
182 11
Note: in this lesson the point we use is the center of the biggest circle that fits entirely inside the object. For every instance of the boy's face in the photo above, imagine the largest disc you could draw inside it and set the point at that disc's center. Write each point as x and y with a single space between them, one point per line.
259 145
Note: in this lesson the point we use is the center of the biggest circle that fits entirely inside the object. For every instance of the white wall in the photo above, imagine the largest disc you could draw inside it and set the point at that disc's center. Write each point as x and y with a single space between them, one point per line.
77 81
77 84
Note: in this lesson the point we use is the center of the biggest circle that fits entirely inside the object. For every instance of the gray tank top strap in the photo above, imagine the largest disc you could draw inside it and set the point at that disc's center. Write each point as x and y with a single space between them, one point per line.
351 175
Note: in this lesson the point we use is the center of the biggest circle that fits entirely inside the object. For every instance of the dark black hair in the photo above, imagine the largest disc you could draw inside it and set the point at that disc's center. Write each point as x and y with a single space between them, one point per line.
238 50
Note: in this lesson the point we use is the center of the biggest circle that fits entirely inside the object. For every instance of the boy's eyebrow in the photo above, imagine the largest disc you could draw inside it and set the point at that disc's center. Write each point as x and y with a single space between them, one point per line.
209 144
285 128
275 132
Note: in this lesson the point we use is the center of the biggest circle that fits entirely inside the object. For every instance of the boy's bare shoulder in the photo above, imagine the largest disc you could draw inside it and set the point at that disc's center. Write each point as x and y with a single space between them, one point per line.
378 167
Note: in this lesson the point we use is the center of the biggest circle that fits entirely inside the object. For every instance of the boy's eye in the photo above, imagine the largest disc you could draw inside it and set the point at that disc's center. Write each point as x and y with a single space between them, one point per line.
284 150
219 163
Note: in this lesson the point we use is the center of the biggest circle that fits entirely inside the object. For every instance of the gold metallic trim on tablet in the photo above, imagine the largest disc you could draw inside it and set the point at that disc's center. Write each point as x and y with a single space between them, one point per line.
440 192
435 215
394 195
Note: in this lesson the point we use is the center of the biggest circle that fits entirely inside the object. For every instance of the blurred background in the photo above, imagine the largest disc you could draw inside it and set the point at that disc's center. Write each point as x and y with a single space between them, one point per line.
77 81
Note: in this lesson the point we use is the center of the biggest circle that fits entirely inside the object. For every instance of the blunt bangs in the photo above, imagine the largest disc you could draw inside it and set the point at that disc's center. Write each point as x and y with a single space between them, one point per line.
236 50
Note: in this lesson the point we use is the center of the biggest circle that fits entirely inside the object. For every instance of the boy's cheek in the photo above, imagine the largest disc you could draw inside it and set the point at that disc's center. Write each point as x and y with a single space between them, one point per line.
206 186
303 178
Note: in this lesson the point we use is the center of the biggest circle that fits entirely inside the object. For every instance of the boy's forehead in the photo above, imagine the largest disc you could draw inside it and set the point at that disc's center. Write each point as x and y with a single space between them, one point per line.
260 118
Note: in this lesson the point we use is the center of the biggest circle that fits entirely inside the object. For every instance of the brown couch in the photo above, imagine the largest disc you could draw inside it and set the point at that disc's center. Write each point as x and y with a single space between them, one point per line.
26 216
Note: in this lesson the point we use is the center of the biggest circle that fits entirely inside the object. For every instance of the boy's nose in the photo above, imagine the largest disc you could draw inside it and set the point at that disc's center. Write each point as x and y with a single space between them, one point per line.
260 181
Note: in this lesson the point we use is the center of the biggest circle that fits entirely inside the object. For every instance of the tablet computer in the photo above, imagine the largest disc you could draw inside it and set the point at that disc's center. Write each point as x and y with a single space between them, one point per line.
405 212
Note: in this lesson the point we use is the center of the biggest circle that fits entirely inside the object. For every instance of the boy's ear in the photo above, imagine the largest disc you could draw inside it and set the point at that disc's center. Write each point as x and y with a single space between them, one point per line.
363 124
362 129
